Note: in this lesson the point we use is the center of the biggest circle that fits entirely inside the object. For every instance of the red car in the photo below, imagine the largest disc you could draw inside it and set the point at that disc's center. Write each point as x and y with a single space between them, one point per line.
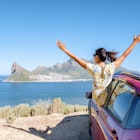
119 118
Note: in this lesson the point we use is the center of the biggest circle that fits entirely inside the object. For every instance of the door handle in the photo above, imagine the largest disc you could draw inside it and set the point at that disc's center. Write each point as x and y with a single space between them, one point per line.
97 112
114 133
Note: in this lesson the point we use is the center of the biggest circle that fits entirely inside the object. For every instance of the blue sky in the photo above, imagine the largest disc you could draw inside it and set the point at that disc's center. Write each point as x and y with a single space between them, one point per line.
29 30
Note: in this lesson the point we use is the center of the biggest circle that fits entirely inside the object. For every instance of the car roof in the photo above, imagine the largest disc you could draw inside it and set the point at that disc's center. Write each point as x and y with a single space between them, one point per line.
132 78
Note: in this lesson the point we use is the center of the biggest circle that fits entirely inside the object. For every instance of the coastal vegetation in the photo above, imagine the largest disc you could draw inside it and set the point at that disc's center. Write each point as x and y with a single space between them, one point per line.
40 107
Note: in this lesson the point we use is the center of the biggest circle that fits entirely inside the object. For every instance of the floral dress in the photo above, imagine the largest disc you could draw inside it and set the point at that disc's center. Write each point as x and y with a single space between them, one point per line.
102 77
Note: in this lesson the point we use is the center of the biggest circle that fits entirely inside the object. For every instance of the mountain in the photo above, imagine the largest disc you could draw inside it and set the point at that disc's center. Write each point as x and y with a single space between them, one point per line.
18 73
69 70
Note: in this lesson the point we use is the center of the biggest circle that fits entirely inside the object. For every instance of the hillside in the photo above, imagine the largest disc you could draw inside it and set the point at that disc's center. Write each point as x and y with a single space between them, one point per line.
18 73
69 70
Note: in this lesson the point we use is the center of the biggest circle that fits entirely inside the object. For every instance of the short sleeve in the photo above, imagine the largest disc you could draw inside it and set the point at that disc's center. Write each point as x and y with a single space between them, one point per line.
90 68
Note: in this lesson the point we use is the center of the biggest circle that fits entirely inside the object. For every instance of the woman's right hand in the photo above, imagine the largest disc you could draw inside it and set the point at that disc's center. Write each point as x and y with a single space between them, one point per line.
137 39
61 45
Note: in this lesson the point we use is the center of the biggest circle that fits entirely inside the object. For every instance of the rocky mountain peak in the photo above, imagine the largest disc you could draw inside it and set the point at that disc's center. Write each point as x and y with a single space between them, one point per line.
16 68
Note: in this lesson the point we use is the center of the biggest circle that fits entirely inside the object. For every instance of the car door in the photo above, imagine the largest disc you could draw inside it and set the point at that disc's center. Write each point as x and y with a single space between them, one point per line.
113 116
97 129
97 133
132 131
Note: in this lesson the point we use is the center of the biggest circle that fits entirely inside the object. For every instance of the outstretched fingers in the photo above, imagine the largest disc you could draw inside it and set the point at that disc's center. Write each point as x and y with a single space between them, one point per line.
60 44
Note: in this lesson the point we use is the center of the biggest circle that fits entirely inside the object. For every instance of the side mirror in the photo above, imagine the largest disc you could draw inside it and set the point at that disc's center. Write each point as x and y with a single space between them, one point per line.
88 95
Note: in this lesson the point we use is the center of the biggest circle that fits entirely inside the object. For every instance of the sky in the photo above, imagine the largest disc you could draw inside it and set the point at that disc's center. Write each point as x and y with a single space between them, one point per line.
29 30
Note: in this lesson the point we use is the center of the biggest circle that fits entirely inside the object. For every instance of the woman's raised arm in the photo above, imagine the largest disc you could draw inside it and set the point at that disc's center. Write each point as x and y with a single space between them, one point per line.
119 61
62 46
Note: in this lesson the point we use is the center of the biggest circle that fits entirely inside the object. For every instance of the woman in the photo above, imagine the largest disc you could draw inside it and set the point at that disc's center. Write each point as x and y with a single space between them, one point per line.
101 72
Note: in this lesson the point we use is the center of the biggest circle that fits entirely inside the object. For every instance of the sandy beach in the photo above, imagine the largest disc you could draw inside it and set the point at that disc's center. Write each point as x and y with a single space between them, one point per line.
49 127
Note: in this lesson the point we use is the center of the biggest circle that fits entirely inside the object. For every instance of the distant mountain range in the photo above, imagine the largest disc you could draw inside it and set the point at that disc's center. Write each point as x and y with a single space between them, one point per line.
66 71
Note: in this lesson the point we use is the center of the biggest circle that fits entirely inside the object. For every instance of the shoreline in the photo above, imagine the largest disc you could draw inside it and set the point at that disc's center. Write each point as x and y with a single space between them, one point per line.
50 81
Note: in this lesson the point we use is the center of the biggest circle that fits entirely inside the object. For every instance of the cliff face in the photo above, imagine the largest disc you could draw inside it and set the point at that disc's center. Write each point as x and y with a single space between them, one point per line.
69 70
18 73
16 68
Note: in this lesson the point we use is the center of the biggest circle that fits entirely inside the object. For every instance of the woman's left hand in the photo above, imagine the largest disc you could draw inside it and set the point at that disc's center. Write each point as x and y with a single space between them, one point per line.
61 45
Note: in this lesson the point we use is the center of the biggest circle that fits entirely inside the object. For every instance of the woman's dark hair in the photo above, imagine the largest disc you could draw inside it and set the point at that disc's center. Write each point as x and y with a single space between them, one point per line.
106 55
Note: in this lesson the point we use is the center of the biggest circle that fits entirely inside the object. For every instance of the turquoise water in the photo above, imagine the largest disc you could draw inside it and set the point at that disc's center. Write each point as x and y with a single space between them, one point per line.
27 92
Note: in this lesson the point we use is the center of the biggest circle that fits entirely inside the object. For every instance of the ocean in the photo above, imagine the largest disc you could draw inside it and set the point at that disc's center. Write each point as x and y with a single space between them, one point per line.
15 93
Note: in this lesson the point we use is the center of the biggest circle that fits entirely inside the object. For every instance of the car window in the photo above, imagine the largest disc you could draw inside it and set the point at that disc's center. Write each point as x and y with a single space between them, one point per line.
120 100
134 121
111 86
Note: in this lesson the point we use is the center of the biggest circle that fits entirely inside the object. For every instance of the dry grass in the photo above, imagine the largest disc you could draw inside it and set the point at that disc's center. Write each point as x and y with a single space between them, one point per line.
40 107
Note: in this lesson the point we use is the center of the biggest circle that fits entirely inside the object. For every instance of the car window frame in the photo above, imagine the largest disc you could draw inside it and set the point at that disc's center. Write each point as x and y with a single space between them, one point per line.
122 123
109 90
